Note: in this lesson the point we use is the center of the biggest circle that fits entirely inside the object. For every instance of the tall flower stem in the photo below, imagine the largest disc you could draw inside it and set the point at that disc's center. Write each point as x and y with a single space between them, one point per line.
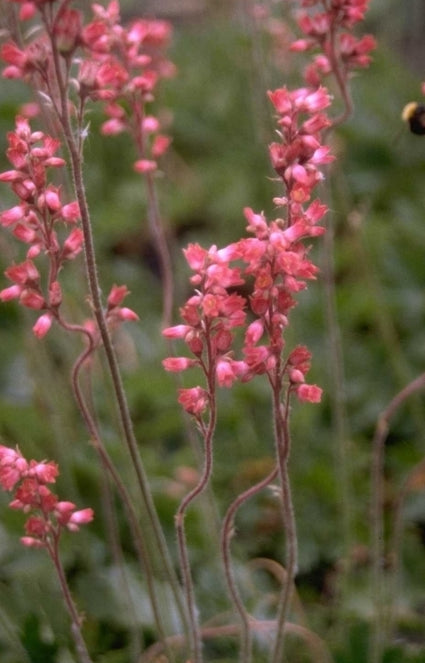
153 531
377 641
159 235
156 223
107 463
283 447
337 395
195 639
245 655
80 645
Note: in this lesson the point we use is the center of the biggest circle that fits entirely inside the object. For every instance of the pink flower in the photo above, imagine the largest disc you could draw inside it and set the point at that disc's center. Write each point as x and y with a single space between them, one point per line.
126 314
30 542
160 145
112 127
52 199
117 295
309 392
32 299
145 166
71 212
67 30
12 215
73 244
177 364
179 331
10 293
31 495
150 124
42 325
195 256
36 527
194 400
78 518
24 273
45 472
226 372
254 332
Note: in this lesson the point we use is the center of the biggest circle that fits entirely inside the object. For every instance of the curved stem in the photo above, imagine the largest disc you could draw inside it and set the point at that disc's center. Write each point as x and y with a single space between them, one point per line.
108 464
245 655
283 442
317 647
195 641
377 642
195 638
394 546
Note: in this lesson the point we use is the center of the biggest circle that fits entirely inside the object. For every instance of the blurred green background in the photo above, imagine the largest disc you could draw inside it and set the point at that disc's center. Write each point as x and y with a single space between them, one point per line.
221 123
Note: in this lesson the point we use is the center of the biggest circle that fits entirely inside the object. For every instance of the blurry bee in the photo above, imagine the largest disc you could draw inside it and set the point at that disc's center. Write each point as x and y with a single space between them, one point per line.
414 114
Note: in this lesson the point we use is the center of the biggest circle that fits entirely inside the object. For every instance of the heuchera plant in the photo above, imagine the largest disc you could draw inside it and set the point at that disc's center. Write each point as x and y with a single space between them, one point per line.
275 264
47 518
229 337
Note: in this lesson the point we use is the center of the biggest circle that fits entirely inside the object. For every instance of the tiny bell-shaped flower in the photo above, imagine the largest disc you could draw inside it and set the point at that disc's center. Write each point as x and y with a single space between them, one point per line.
42 325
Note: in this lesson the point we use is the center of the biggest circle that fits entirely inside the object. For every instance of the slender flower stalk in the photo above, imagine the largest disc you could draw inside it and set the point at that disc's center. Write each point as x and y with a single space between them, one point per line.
379 631
336 52
210 315
47 518
80 645
47 63
195 640
276 265
114 299
282 437
245 653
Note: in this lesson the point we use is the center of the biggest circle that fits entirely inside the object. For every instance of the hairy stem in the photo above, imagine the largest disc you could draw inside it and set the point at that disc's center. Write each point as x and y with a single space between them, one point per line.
245 655
156 223
80 645
378 636
283 447
153 531
107 463
195 640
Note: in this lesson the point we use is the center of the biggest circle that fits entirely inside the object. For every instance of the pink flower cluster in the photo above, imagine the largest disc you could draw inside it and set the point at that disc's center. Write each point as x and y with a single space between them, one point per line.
117 65
210 315
274 264
327 27
34 221
123 68
47 515
128 62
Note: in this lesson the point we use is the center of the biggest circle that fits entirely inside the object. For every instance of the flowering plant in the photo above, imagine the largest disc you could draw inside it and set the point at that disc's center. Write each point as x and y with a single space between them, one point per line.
236 326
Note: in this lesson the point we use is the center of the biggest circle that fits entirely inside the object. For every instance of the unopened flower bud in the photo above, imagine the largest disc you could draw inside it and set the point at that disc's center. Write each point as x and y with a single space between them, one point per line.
42 325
